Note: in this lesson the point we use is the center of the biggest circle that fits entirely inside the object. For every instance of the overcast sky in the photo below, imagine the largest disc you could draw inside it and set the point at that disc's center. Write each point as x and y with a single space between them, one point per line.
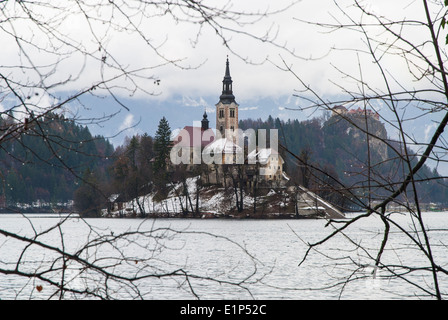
194 83
191 45
314 57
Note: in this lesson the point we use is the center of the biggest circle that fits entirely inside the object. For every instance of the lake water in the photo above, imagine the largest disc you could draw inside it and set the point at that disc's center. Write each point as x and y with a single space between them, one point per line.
214 258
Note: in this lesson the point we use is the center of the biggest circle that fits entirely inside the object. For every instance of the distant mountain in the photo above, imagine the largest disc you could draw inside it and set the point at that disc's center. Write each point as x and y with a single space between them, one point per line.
180 111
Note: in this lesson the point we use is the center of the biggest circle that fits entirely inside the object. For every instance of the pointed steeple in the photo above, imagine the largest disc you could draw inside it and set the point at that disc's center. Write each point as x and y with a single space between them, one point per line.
227 93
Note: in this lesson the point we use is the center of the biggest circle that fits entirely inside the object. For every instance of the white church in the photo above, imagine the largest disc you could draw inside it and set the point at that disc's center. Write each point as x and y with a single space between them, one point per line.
226 147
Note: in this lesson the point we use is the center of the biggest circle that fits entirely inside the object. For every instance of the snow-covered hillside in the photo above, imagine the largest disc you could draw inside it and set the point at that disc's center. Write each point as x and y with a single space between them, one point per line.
212 201
185 200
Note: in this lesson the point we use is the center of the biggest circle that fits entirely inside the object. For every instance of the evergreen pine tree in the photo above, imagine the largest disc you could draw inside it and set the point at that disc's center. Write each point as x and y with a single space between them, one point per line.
133 148
162 148
162 145
88 197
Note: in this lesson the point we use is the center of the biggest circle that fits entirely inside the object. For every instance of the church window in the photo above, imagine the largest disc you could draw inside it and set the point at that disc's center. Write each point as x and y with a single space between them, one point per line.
232 113
221 113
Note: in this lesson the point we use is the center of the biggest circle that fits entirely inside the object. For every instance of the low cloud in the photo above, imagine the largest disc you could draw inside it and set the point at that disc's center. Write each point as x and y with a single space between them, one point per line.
429 130
191 102
127 122
129 125
248 108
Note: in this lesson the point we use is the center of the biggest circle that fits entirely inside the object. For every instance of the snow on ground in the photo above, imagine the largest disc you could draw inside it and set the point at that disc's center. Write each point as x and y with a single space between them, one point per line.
209 202
212 200
218 201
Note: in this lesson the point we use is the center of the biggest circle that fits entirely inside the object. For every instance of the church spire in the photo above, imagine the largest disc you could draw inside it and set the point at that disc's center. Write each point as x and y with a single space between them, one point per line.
227 93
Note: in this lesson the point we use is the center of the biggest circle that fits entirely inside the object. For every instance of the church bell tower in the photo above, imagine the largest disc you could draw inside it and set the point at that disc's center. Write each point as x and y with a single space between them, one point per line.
226 108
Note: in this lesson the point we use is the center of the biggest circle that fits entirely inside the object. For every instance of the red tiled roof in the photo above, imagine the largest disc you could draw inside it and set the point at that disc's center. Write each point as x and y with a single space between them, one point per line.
194 137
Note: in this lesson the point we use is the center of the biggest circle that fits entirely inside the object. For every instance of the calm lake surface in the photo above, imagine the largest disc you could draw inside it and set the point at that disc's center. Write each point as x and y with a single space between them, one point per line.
225 259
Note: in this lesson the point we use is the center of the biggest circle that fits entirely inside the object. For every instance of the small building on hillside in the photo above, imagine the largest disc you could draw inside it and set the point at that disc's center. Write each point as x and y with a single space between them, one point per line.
357 112
269 163
338 110
115 202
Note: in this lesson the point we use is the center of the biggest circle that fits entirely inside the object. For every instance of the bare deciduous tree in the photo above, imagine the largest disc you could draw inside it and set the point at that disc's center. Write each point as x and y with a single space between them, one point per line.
402 76
54 54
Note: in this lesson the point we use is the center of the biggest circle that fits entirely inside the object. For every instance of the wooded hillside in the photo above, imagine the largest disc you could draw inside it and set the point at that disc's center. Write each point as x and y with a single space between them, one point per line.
47 162
324 156
331 156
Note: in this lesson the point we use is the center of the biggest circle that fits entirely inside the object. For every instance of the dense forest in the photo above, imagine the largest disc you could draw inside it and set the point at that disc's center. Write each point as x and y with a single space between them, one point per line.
331 156
46 164
57 161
